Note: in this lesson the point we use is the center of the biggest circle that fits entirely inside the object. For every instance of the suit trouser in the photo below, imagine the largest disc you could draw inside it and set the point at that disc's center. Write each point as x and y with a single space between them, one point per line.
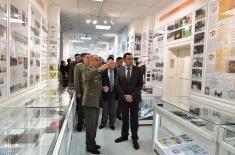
131 108
119 110
80 112
109 110
91 118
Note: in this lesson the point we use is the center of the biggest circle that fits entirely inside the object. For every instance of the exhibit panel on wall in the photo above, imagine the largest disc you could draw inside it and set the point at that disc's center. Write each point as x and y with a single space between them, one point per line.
3 48
137 44
44 55
220 56
35 45
18 45
199 49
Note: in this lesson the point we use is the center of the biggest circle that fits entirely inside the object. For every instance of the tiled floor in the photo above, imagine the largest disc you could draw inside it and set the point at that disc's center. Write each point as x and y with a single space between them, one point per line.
105 138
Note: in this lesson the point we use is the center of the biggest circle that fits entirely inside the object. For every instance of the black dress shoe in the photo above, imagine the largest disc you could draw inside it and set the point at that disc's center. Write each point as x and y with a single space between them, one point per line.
101 126
136 145
97 147
93 151
79 128
112 127
121 139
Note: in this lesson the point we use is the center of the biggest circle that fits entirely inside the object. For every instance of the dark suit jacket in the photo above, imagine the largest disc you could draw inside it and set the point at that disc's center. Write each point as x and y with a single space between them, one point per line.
105 82
133 87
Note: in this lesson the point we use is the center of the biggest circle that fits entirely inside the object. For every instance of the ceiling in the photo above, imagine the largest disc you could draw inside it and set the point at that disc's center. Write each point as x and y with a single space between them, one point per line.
74 14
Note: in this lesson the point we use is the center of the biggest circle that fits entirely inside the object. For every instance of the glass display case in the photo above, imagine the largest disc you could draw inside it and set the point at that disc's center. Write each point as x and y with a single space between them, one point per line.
227 140
38 123
188 128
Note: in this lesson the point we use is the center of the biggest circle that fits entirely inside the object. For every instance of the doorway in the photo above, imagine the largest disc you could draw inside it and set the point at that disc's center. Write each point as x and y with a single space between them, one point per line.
178 73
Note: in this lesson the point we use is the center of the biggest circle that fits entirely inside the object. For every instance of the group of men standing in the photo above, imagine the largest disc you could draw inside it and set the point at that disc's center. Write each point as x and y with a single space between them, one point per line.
114 87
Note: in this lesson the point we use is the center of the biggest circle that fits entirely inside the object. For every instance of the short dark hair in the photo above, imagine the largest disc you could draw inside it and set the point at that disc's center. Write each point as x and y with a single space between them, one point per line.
110 58
119 58
77 55
84 54
126 54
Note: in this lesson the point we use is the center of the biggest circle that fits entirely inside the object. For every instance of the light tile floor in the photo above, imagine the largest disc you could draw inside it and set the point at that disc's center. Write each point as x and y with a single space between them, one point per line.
105 138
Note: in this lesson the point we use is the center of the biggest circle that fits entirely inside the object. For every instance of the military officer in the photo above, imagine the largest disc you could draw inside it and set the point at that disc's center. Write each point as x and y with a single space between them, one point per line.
78 84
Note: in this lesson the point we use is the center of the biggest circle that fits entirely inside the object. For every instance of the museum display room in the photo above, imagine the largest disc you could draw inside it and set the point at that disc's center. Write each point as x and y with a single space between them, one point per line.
188 49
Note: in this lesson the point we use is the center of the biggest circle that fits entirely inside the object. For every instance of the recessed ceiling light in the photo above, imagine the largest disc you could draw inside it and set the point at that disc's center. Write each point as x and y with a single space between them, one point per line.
85 38
88 21
105 22
94 22
103 27
111 22
68 16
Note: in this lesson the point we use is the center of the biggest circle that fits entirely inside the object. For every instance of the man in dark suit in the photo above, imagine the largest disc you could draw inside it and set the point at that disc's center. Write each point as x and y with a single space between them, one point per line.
77 58
109 98
129 83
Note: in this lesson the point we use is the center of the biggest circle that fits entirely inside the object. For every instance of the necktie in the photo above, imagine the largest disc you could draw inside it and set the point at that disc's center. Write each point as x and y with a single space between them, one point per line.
111 80
128 76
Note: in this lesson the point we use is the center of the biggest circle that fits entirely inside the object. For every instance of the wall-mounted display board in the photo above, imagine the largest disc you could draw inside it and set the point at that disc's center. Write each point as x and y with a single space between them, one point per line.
3 48
157 56
18 44
53 49
220 56
44 55
198 49
35 45
180 28
137 46
147 44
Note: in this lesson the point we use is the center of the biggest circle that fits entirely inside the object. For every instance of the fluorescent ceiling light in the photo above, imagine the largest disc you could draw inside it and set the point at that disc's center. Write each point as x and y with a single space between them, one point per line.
94 22
77 41
98 0
85 38
88 21
13 20
103 27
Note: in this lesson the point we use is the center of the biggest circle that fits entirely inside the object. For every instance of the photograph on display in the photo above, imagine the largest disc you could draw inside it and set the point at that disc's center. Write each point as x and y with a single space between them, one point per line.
52 75
200 26
197 74
221 60
52 67
3 50
178 23
196 85
171 27
18 46
187 32
214 8
199 38
187 20
199 49
198 62
200 13
170 36
178 34
138 37
211 58
212 34
231 66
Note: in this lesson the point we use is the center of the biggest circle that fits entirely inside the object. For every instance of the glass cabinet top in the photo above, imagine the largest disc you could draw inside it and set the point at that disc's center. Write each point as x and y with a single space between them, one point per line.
189 108
229 135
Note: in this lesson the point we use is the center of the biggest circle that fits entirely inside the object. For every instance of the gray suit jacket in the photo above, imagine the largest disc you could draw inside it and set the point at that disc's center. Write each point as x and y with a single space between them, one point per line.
92 87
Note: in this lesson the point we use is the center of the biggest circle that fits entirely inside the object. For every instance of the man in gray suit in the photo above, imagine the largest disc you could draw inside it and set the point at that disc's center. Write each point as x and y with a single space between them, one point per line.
92 85
78 85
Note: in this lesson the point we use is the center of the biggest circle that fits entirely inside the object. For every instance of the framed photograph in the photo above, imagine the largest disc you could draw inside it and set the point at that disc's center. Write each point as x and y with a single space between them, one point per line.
200 13
199 38
196 85
178 23
171 27
178 34
187 32
197 74
187 20
231 66
170 36
200 26
198 62
199 49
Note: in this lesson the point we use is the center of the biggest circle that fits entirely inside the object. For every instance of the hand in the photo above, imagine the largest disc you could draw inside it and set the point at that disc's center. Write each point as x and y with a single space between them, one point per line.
128 98
103 67
79 96
106 89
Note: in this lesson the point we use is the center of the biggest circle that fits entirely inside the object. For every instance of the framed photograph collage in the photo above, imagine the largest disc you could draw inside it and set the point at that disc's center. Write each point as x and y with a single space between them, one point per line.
44 55
35 45
18 45
199 49
180 28
137 44
157 57
220 56
3 49
53 49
